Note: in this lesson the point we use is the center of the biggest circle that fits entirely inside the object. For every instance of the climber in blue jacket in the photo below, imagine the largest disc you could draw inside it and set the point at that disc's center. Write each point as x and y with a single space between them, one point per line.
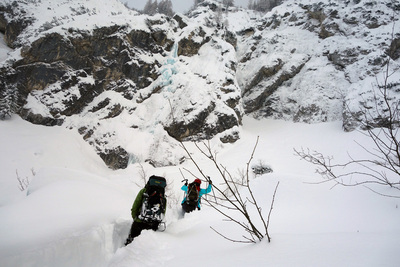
193 194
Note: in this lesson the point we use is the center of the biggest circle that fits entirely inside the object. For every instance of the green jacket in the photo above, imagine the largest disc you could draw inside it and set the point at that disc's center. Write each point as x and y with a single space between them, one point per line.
137 205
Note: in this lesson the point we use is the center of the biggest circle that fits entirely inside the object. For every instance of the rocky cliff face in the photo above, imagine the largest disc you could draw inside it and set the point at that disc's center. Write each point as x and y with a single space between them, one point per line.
302 62
112 74
136 74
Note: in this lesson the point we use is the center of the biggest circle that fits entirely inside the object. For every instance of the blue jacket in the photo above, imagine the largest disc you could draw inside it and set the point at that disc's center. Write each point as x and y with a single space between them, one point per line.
201 192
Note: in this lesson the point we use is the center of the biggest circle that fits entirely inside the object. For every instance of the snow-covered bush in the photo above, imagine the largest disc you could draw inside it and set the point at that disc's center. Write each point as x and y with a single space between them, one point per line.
261 168
8 102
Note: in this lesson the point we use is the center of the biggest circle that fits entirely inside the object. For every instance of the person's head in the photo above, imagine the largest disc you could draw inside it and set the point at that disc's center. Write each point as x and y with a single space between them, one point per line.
197 181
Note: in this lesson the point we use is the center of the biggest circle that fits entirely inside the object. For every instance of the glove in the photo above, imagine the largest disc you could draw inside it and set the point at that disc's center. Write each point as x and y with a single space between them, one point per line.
186 183
210 182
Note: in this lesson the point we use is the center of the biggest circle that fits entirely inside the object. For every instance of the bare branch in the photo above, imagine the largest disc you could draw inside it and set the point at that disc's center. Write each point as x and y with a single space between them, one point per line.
23 183
230 198
270 211
232 240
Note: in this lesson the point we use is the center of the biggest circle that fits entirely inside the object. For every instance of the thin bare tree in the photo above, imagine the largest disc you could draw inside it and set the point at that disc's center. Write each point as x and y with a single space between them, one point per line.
235 199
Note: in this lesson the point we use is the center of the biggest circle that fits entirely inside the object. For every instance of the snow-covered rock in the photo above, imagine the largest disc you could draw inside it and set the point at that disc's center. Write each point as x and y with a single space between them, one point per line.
116 66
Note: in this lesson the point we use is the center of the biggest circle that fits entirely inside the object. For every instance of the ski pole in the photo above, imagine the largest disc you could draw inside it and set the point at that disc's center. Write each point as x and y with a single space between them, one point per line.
212 188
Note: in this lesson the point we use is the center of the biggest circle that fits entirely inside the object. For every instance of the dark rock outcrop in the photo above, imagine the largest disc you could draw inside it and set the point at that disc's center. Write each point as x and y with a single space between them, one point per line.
116 158
13 21
394 49
269 79
189 46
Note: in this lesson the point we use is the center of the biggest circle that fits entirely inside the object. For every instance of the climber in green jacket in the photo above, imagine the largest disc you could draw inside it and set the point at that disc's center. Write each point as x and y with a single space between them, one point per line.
148 209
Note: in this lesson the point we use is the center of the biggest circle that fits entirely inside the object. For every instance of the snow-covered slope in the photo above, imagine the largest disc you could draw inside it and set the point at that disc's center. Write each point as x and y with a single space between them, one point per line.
76 212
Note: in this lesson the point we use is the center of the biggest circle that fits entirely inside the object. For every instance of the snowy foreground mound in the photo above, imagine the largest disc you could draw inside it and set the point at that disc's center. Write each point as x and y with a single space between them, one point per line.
76 212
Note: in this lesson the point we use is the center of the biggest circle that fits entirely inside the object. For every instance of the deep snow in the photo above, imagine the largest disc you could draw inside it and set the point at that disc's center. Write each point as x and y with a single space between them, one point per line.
77 212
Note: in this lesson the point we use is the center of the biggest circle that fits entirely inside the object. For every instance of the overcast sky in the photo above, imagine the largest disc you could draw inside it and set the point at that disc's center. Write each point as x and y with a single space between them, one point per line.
180 6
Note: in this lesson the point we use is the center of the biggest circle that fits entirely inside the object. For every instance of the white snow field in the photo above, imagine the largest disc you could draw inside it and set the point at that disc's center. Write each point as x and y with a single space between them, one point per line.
76 212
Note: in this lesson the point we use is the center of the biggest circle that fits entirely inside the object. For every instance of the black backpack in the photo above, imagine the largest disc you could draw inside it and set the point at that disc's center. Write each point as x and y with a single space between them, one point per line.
153 204
192 194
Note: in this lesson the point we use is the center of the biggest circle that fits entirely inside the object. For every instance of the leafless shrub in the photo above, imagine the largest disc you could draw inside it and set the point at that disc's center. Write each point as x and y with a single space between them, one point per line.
23 183
381 166
143 176
234 198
